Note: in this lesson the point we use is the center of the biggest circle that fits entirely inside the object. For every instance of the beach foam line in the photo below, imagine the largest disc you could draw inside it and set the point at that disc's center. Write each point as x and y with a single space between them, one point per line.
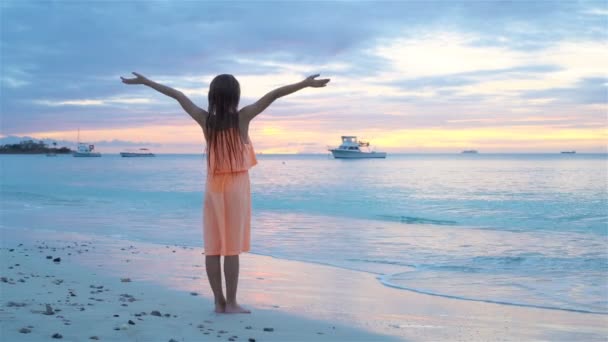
384 280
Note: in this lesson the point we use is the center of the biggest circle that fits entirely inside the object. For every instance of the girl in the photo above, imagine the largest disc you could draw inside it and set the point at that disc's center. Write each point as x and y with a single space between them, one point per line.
230 154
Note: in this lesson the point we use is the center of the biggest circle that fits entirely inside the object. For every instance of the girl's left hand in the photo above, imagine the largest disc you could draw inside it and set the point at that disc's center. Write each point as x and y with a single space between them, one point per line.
310 81
139 79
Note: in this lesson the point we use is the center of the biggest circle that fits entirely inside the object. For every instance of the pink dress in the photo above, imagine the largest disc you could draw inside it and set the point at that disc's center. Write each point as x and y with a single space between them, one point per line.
227 205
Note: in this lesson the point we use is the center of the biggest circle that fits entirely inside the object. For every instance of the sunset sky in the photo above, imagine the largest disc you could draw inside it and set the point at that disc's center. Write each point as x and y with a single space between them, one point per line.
409 76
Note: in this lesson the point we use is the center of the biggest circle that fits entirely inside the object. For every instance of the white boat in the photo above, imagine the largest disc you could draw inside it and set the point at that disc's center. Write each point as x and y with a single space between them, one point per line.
85 150
351 149
143 152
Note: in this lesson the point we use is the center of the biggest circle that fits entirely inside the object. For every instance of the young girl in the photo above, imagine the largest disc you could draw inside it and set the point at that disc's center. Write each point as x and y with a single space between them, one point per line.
230 154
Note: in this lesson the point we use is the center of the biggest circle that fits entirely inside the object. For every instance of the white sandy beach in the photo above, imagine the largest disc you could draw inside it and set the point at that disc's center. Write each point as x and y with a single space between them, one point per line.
107 289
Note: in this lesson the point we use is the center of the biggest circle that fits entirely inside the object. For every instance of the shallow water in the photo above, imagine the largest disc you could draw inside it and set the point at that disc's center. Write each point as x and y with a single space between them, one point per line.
518 229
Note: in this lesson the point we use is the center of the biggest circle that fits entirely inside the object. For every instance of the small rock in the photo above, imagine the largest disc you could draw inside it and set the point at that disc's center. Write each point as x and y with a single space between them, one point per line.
251 339
25 330
49 310
194 293
268 329
155 313
11 304
131 322
116 316
94 338
57 335
57 260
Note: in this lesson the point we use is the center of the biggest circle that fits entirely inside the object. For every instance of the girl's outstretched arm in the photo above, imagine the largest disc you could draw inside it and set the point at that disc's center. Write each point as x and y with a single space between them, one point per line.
250 112
198 114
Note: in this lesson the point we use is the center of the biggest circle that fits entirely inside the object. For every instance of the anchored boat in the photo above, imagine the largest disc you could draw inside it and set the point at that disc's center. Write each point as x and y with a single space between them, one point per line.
86 150
351 149
143 152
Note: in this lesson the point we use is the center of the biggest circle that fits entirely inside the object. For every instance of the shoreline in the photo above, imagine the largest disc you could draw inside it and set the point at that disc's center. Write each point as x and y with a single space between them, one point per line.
298 300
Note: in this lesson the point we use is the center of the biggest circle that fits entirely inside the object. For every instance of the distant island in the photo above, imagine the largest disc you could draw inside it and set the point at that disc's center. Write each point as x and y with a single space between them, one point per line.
32 147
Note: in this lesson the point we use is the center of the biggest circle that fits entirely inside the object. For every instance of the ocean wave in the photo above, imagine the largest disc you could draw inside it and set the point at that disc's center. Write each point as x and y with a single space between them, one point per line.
416 220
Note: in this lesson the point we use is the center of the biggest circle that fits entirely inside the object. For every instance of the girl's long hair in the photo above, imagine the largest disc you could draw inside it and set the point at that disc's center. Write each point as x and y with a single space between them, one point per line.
222 125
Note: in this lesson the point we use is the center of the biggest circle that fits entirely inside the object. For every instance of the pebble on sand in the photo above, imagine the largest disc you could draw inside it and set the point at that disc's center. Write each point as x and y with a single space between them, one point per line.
49 310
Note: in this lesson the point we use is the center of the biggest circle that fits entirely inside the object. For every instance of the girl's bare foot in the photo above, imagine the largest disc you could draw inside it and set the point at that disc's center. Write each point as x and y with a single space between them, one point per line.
220 306
235 308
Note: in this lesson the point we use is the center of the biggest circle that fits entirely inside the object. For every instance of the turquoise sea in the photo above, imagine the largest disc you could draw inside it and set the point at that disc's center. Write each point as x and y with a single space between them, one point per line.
516 229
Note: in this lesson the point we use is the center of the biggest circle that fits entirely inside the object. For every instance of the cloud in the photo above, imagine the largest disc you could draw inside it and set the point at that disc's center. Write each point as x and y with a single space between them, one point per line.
596 11
92 102
398 65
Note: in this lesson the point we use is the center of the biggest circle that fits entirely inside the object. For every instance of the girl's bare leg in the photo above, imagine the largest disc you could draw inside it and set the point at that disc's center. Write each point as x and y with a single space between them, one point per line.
231 271
214 273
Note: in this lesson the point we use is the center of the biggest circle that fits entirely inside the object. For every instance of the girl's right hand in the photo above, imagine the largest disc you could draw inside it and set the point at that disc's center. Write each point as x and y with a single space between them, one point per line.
311 82
139 79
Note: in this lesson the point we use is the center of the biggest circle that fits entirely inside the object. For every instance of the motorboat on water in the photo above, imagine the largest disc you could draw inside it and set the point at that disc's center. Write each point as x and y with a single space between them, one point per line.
351 148
142 152
86 150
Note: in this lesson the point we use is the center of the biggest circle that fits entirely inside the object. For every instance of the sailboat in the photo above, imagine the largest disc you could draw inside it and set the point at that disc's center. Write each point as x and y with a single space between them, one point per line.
85 149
